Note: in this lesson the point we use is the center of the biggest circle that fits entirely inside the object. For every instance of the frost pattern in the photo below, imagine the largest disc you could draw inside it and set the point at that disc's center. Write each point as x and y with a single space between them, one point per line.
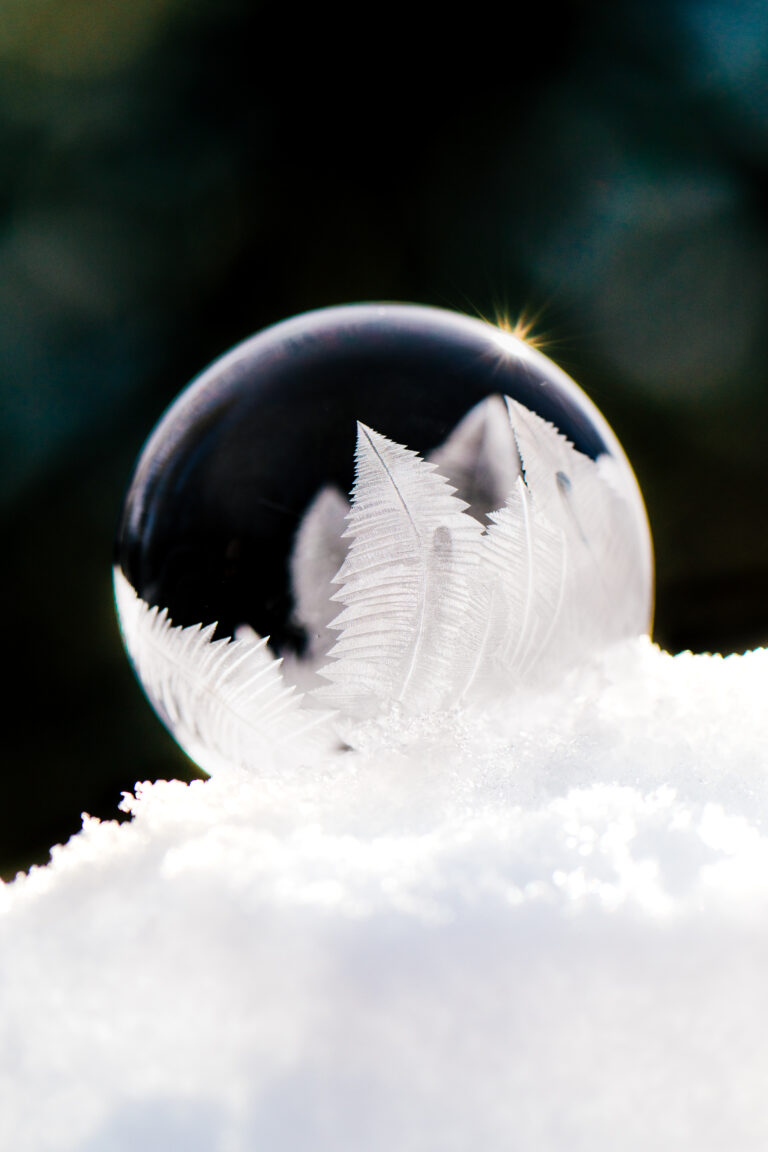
444 600
406 583
565 580
225 701
438 608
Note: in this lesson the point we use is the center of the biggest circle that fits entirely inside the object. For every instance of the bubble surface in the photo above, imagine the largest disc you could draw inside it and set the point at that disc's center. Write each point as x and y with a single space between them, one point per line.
413 506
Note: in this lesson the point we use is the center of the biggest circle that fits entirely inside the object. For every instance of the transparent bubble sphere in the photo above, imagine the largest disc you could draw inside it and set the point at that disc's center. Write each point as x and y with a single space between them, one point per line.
368 509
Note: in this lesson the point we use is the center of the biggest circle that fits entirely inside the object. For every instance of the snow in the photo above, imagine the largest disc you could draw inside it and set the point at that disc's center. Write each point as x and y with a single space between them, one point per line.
540 927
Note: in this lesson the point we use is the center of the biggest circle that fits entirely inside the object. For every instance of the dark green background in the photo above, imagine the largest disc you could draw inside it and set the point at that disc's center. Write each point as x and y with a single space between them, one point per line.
176 174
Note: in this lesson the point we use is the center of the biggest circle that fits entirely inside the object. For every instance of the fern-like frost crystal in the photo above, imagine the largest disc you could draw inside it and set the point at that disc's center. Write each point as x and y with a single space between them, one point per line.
406 582
225 700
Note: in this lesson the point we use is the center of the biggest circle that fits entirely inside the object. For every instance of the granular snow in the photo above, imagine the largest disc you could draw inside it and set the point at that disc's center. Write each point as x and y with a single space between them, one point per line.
537 929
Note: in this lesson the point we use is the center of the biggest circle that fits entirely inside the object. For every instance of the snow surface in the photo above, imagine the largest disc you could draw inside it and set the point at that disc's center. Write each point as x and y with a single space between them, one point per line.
542 928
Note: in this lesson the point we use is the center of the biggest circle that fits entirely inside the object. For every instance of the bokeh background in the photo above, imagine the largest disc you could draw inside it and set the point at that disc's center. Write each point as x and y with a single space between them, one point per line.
176 174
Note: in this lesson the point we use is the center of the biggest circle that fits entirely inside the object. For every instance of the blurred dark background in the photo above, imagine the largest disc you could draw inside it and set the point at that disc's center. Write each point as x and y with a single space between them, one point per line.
176 174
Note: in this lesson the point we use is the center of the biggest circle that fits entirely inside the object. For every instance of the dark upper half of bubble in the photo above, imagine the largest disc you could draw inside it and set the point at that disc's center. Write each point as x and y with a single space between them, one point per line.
221 486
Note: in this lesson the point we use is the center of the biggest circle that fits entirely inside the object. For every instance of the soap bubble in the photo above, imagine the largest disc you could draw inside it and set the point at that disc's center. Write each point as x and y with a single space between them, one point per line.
370 508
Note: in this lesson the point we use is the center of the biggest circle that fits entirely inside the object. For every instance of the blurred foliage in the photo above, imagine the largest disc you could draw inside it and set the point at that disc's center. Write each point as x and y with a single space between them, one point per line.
79 37
178 175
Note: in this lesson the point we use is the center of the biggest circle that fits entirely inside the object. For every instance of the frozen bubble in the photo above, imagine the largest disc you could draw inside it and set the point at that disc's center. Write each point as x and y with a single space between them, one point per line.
413 506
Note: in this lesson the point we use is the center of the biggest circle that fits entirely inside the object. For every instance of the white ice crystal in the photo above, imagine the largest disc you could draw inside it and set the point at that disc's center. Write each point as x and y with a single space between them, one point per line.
407 583
541 927
224 700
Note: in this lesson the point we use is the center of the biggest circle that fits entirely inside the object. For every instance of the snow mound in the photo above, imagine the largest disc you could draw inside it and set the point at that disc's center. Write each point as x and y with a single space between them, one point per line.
542 927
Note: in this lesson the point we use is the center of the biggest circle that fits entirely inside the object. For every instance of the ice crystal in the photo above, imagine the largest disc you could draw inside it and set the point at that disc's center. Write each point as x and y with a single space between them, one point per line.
225 701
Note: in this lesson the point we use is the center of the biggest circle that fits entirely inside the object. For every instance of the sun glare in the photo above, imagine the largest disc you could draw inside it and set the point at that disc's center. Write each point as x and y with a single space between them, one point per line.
524 328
